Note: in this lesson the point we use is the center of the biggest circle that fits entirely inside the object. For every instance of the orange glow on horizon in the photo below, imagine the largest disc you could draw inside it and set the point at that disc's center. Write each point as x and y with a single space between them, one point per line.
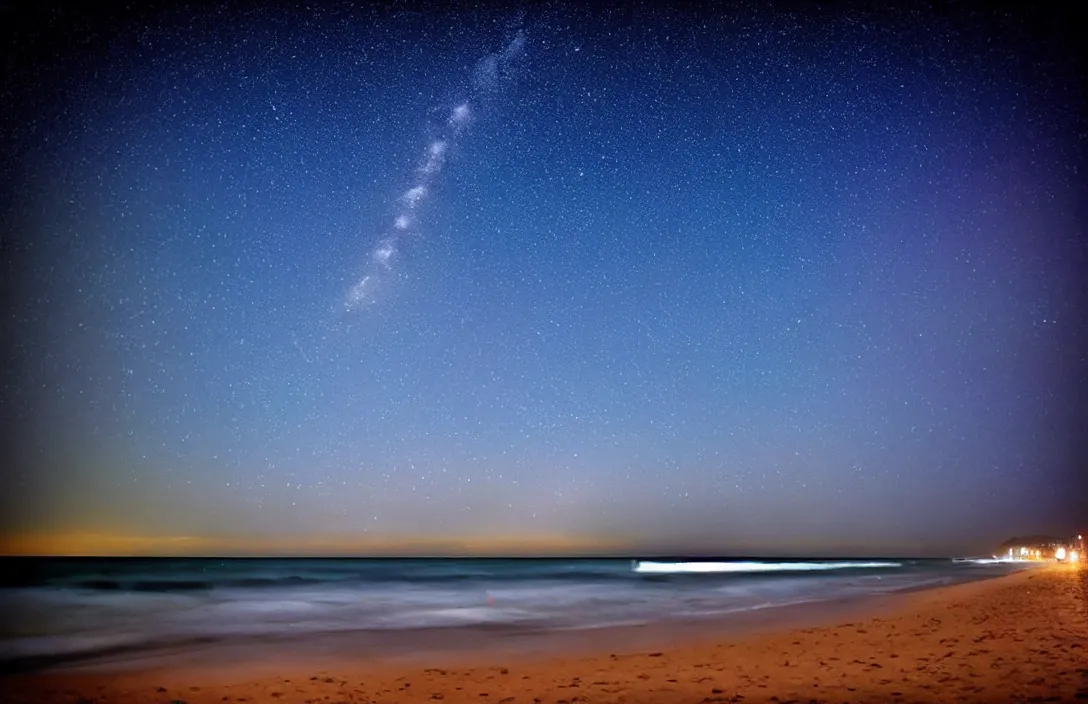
113 545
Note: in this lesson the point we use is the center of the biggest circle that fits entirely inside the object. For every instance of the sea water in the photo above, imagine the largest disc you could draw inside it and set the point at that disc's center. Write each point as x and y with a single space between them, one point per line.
63 610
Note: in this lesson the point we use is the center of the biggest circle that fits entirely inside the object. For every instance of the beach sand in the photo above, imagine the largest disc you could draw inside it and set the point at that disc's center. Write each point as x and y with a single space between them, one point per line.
1019 638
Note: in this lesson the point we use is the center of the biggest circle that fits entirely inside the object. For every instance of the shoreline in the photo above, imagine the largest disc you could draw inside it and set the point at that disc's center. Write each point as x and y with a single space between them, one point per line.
444 645
1008 638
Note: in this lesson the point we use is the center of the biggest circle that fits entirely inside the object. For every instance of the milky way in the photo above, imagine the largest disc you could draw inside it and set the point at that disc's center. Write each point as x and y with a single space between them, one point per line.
488 76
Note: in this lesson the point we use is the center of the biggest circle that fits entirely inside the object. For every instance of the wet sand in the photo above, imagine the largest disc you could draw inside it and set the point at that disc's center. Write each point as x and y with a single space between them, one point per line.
1018 638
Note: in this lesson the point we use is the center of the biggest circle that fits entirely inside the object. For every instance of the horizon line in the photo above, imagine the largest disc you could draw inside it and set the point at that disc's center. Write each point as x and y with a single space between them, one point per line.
647 556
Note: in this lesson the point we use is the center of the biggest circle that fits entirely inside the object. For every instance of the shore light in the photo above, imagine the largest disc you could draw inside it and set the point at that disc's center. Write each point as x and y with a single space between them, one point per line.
1059 554
1073 556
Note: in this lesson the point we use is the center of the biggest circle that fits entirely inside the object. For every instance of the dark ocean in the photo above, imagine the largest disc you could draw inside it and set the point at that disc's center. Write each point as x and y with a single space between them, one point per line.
65 610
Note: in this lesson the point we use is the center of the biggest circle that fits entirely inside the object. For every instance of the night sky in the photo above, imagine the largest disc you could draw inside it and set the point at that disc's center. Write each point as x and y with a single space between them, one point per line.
380 280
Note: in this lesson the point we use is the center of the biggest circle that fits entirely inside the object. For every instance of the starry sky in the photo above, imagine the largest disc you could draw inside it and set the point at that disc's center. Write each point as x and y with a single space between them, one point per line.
745 281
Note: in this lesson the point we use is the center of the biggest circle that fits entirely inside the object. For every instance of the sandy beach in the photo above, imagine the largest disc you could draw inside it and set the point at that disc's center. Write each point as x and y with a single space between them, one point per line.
1018 638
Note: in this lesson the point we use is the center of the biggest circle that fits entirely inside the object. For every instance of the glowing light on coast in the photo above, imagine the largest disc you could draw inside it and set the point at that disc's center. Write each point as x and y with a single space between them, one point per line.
734 567
1059 554
1074 556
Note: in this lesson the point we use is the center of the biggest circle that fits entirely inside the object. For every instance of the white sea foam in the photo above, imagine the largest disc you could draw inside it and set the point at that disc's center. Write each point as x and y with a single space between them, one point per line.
986 560
752 567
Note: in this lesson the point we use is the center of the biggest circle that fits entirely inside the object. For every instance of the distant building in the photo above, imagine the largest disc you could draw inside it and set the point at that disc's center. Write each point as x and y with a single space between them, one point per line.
1043 547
